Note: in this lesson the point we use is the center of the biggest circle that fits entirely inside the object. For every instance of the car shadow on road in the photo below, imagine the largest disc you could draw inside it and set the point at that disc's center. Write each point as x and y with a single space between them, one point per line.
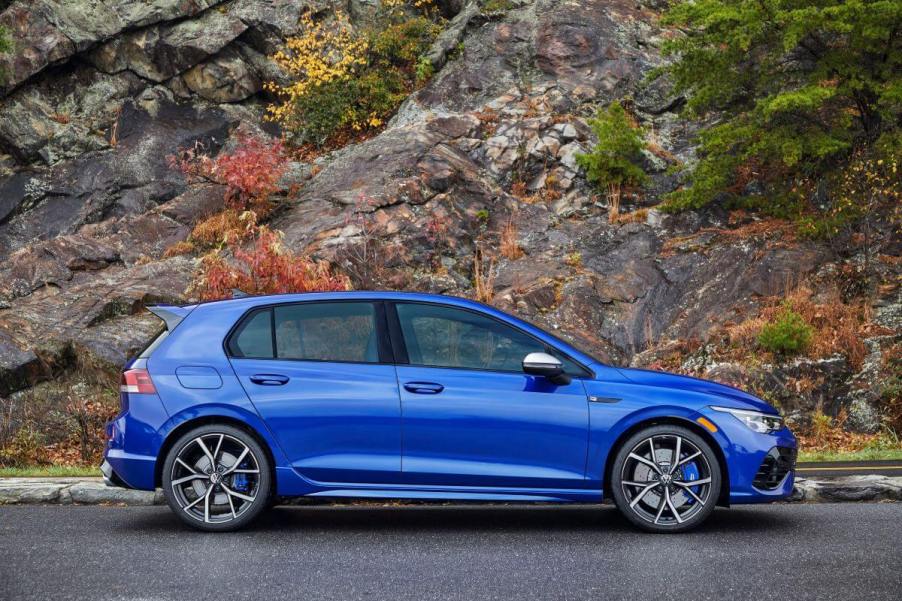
468 518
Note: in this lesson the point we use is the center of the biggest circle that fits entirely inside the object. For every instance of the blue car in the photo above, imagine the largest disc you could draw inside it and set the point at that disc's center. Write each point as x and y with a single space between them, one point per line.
239 403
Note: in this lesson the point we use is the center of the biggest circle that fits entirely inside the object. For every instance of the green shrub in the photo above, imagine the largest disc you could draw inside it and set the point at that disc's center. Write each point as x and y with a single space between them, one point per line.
6 45
788 334
616 160
425 70
26 447
497 6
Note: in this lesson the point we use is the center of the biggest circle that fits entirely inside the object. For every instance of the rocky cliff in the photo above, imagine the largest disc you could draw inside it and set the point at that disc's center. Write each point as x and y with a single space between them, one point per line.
99 92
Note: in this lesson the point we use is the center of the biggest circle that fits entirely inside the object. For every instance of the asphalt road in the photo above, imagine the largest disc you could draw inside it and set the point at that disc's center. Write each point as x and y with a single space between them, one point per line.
786 552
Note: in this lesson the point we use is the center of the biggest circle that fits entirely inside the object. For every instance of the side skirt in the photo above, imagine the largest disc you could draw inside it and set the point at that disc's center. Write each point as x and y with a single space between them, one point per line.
461 493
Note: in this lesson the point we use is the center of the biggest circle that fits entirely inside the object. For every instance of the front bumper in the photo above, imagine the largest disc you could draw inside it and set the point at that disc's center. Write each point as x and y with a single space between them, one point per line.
748 466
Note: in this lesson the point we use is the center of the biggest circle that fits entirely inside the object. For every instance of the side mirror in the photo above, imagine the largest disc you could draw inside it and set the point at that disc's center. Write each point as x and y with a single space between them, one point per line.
543 364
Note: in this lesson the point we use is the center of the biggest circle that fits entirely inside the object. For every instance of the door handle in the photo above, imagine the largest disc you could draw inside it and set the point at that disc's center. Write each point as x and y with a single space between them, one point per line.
269 379
423 387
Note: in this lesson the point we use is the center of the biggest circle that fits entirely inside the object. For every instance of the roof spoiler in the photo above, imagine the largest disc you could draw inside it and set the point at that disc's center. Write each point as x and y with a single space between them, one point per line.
171 314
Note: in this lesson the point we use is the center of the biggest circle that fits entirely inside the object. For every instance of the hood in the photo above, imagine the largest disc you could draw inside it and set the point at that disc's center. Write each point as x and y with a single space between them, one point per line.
732 397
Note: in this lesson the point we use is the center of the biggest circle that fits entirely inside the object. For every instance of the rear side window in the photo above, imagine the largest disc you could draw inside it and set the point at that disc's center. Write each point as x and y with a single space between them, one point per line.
335 331
253 338
343 331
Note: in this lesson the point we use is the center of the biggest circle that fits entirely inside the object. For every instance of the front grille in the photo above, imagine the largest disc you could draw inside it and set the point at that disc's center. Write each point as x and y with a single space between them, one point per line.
778 462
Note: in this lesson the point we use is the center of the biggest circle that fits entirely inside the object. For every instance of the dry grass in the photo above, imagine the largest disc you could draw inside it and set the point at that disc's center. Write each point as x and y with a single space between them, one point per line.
226 226
114 130
519 190
483 276
183 247
61 118
510 247
656 149
779 233
839 327
826 434
549 192
61 421
638 216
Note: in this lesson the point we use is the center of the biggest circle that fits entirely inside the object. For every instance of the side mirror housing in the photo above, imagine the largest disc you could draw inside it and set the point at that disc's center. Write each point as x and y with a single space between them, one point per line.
543 364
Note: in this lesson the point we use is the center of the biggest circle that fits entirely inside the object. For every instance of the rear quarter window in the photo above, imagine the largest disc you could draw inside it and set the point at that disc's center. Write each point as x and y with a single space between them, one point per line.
253 337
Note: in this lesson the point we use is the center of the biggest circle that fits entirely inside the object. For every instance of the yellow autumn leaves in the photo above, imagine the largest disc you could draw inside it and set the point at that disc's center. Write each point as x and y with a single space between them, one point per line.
324 53
345 80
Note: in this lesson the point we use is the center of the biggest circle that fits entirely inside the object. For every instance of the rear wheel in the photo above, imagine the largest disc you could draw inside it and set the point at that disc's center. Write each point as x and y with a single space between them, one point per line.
666 479
217 478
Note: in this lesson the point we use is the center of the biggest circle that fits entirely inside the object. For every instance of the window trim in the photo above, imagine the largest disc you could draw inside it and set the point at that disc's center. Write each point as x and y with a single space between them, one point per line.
400 345
383 342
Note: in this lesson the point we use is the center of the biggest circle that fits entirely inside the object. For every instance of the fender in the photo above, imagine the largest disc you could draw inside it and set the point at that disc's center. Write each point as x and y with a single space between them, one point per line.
201 413
607 427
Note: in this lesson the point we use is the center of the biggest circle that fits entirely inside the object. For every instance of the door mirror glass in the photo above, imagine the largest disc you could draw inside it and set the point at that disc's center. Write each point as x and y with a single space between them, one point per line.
543 364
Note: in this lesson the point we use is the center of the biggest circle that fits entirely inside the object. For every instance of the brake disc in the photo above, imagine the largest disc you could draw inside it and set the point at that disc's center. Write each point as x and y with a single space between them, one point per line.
202 465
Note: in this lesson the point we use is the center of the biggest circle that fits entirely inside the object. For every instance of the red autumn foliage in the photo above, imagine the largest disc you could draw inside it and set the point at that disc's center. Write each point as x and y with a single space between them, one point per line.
267 268
251 172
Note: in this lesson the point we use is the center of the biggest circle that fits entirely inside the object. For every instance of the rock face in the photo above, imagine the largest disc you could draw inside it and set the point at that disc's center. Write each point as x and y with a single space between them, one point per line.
99 92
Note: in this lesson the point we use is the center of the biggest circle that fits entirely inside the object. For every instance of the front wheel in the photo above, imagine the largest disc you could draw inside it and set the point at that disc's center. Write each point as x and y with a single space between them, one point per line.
666 479
217 478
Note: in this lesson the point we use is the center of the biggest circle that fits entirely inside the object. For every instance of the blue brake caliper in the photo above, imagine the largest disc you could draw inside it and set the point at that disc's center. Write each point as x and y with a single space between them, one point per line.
240 481
690 473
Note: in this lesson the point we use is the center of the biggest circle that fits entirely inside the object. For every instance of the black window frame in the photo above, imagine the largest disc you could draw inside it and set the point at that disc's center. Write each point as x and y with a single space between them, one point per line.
399 345
383 341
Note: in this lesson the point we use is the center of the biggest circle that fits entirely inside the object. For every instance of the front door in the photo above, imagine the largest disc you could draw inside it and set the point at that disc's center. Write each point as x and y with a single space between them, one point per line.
319 374
471 417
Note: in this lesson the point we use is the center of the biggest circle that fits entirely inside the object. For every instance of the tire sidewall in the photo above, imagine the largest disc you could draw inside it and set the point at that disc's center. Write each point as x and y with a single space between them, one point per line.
623 504
261 502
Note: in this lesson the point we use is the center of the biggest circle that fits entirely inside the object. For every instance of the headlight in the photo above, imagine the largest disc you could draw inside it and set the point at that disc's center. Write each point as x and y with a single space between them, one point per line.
764 423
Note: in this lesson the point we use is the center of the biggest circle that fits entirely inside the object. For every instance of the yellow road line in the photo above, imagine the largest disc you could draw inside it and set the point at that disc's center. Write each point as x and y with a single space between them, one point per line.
847 469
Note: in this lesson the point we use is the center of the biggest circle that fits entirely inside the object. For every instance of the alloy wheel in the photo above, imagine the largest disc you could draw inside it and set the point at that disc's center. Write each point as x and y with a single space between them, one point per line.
215 478
666 480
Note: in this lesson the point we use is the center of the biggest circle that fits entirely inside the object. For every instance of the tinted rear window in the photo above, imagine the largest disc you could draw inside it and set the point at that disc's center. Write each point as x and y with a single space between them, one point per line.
332 331
253 338
344 331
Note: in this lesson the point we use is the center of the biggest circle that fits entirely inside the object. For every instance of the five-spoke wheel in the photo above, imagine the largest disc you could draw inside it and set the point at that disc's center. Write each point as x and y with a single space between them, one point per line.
217 478
666 479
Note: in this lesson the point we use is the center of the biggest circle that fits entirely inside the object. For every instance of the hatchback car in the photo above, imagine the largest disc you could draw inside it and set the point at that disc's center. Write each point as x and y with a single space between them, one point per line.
238 403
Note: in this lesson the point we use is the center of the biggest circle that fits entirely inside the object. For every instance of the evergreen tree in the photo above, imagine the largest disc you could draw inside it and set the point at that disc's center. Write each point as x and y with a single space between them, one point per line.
797 86
617 158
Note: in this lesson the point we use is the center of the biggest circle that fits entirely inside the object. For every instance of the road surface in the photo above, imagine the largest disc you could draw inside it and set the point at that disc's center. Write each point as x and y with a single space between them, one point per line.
785 552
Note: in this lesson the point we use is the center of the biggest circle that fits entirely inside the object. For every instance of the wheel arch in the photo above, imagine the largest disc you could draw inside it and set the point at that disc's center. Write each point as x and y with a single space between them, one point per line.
724 497
191 424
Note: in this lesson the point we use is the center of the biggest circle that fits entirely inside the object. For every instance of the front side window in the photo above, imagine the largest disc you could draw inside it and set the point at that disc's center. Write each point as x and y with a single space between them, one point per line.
439 336
337 331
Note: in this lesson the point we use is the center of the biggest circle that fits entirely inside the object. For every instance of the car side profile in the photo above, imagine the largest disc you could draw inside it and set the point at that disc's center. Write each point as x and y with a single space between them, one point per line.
238 403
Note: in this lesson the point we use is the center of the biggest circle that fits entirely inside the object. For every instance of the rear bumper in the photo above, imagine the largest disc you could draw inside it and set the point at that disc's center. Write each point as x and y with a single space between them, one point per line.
110 477
129 463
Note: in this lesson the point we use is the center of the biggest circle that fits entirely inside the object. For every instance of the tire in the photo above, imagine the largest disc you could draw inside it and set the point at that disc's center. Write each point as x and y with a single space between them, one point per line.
240 490
654 494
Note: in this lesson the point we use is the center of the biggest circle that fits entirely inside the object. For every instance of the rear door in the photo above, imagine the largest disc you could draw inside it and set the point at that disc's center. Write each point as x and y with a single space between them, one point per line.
320 375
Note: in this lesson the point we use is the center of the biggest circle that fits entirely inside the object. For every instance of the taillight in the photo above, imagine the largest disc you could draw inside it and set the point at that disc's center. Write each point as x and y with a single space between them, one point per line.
137 381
